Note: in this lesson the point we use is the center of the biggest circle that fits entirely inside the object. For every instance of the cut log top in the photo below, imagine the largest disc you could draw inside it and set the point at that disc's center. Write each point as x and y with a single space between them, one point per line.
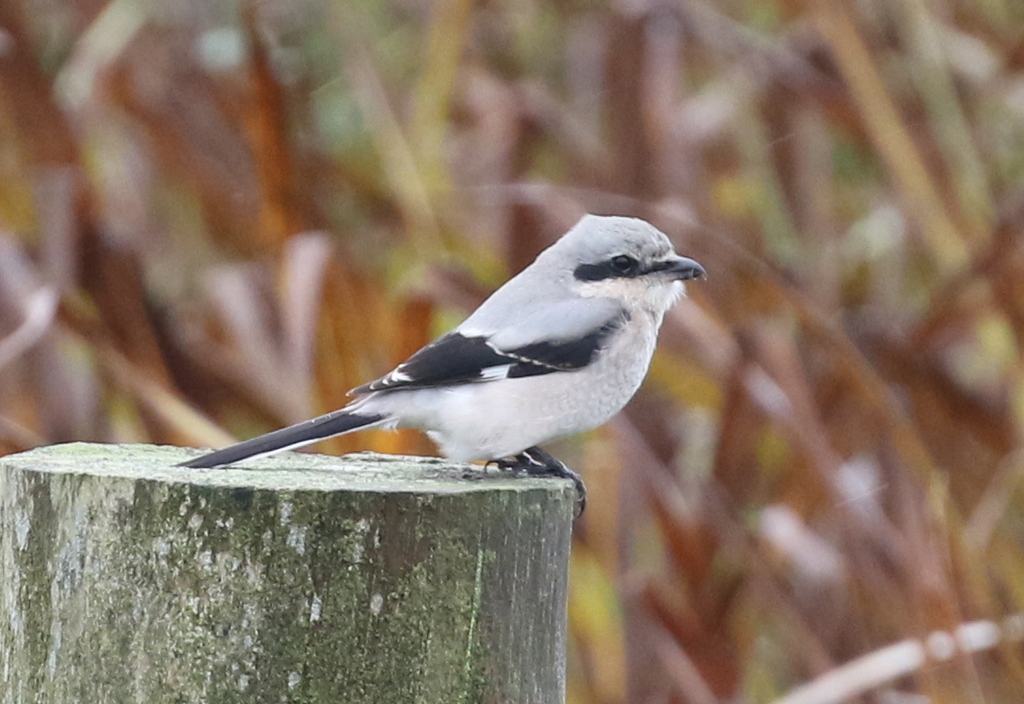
363 471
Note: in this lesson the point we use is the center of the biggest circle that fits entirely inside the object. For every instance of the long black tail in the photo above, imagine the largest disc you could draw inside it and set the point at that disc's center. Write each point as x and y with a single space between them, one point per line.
336 423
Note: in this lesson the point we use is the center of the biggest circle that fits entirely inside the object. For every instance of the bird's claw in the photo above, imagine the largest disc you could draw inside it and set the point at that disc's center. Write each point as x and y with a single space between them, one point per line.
537 462
506 464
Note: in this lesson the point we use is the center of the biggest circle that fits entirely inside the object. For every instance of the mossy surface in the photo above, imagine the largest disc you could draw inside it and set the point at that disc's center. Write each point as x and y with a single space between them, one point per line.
303 579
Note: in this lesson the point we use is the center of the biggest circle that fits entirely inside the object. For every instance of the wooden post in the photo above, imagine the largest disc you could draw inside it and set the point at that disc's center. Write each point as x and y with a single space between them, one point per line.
299 578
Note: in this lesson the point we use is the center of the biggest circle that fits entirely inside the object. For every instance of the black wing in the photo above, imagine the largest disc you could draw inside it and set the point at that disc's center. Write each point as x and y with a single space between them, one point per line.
458 359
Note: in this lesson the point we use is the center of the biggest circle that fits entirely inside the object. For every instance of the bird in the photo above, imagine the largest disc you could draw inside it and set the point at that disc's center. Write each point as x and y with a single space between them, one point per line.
557 350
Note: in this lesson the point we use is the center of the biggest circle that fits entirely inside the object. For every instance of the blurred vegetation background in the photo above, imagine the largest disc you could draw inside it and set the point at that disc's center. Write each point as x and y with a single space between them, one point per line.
217 216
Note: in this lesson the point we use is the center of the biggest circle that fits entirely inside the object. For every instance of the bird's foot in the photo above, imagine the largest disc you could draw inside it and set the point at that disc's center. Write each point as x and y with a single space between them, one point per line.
537 462
507 464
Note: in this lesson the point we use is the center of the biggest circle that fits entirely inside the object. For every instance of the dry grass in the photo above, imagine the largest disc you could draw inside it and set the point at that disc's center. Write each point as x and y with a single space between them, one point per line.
216 218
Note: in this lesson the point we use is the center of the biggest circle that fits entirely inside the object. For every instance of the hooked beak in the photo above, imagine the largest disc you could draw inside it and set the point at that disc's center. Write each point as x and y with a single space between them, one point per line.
681 269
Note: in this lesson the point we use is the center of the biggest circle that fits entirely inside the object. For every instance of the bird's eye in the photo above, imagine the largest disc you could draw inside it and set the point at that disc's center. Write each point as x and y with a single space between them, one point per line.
623 263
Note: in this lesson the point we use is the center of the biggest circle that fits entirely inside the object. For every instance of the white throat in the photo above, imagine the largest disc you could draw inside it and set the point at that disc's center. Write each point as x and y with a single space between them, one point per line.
649 294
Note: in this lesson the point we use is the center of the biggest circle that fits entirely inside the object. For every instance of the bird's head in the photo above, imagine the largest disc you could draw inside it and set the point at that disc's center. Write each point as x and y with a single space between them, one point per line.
627 259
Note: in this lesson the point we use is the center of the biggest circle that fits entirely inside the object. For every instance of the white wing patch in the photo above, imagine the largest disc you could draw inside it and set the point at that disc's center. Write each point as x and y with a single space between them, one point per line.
493 373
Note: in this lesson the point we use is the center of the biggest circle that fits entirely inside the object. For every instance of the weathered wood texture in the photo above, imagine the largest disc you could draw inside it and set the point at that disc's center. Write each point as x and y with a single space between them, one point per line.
300 579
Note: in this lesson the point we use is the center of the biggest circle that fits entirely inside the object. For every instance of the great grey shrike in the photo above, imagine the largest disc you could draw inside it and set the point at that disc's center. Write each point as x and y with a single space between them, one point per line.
559 349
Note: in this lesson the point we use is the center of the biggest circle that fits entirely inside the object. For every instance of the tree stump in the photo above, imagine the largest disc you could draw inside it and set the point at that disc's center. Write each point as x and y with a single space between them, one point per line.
296 578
